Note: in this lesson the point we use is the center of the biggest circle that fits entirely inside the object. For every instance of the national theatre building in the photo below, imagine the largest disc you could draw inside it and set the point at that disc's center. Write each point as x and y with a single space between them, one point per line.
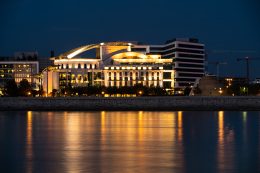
178 63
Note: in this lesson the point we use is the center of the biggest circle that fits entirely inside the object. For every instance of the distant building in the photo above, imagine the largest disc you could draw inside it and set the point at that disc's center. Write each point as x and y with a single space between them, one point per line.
178 63
256 81
45 61
20 66
229 80
210 86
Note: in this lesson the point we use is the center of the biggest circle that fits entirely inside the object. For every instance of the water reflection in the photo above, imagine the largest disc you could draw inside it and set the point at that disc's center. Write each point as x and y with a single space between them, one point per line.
226 143
72 147
130 142
180 126
137 139
244 117
29 143
221 147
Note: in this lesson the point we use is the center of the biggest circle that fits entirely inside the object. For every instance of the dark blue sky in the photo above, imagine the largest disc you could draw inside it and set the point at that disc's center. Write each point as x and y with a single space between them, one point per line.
229 28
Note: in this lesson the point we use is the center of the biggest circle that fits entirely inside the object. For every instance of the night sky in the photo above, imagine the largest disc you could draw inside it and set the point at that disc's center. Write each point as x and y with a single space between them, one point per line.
230 29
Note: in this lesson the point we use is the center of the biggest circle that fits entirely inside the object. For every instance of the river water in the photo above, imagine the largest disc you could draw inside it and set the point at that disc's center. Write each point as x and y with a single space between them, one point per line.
130 142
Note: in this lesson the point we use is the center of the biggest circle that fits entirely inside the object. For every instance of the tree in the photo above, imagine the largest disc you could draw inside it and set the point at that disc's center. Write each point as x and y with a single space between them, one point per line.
24 88
187 91
54 92
11 88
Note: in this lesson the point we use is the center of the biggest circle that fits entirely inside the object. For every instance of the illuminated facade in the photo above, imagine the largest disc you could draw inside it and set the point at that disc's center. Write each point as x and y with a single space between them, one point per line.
23 65
176 64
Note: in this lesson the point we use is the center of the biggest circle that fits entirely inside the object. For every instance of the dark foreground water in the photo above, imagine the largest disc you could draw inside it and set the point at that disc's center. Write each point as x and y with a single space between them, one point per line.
130 142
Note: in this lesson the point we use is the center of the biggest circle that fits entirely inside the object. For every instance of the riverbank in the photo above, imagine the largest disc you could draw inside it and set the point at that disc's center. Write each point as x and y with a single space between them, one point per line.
126 104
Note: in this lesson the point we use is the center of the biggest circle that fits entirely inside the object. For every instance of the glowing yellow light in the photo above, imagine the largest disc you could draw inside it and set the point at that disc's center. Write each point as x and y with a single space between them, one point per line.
106 68
75 53
161 68
220 91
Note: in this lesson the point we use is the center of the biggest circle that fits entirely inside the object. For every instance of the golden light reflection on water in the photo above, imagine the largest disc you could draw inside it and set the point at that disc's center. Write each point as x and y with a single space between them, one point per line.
180 128
220 127
29 142
133 141
225 149
221 146
72 144
137 139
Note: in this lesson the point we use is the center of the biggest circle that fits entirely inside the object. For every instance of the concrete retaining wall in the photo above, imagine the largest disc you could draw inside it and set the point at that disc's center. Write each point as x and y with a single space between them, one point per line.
138 103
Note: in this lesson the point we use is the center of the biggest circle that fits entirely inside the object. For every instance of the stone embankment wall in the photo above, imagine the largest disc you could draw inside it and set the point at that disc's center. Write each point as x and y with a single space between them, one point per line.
126 104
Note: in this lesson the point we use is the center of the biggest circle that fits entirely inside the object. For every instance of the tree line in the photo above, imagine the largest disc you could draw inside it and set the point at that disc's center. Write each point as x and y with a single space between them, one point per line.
138 90
23 89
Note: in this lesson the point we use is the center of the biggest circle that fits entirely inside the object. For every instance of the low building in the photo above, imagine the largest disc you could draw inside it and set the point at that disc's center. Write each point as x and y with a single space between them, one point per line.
21 66
210 86
256 81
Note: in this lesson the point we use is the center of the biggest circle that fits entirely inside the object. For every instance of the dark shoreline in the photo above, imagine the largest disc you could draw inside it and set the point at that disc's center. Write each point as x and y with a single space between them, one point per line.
176 103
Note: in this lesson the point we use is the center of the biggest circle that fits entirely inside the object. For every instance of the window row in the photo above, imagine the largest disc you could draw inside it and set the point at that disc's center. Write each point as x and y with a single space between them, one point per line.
78 66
